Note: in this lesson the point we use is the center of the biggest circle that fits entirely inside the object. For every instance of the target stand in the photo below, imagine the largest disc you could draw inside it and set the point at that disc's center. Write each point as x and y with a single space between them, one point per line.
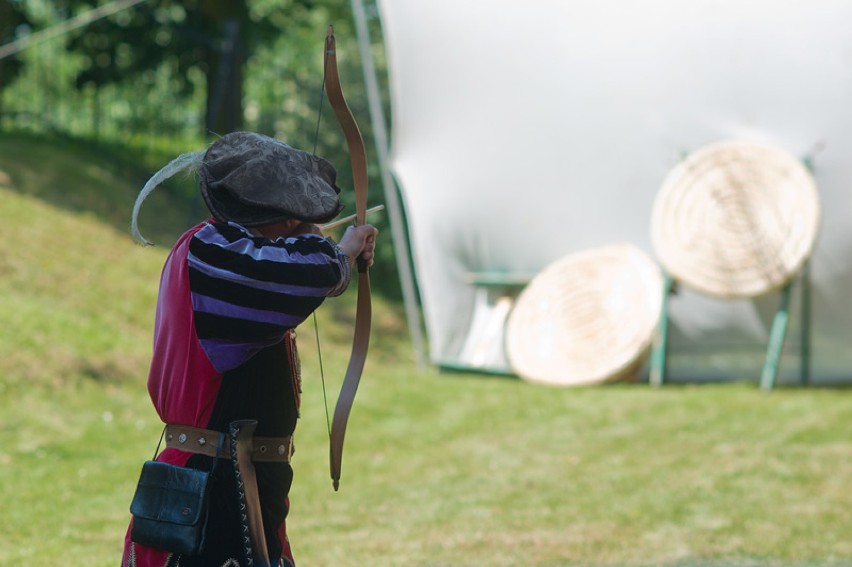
777 334
738 220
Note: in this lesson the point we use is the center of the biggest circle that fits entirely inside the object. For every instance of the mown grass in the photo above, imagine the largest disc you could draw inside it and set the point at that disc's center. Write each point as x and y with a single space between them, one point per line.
473 471
438 470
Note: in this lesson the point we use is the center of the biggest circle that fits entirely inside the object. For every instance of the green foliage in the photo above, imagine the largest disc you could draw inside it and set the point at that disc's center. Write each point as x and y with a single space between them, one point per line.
13 18
150 95
212 38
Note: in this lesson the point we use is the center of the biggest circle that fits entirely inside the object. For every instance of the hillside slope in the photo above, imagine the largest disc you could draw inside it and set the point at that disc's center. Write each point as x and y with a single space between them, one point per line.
76 295
85 177
77 301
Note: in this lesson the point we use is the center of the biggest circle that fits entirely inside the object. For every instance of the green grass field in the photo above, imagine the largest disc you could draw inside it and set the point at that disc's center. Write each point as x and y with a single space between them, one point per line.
438 469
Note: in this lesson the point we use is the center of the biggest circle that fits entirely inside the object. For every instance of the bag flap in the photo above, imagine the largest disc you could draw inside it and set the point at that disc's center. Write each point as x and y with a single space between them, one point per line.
169 493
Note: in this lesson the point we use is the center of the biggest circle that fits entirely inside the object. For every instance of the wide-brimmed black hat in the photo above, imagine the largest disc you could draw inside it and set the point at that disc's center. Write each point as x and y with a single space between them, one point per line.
252 179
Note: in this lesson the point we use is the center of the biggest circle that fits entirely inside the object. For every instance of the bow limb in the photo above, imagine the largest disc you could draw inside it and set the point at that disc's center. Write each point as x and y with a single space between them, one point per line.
363 314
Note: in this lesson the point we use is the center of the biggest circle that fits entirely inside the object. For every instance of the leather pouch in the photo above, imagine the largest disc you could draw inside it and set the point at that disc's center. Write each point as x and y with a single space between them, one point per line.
170 507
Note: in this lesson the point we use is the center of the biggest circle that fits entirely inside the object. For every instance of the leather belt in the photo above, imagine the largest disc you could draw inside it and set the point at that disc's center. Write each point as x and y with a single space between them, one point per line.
204 441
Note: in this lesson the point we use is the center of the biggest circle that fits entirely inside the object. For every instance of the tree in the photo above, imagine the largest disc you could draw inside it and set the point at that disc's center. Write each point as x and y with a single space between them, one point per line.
12 18
213 37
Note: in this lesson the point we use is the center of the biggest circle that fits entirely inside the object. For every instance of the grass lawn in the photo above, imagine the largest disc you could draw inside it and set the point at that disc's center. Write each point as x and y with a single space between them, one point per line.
438 469
463 470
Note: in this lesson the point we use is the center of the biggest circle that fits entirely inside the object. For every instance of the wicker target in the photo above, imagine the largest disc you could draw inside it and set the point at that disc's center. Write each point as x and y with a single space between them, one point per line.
587 318
736 219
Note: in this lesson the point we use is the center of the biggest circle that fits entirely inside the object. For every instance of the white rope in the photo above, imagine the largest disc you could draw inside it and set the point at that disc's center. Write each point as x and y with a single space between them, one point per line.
66 26
189 161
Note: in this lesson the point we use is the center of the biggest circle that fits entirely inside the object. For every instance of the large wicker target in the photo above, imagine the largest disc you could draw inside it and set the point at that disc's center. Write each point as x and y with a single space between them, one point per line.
736 219
588 318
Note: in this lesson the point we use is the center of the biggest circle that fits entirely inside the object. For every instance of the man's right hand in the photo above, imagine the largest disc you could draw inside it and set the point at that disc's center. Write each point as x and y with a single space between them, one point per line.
360 241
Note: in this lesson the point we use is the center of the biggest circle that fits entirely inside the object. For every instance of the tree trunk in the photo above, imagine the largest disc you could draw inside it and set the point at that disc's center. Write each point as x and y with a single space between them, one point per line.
225 64
6 35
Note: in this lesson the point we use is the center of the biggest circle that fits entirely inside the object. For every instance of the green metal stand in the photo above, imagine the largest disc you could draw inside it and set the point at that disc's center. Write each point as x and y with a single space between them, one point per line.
776 340
777 335
659 351
805 338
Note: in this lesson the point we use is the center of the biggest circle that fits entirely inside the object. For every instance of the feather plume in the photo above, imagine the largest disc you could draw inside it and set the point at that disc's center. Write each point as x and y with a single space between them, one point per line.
189 161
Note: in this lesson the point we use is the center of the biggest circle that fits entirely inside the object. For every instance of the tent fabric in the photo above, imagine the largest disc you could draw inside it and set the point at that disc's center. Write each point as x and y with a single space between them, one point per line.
526 131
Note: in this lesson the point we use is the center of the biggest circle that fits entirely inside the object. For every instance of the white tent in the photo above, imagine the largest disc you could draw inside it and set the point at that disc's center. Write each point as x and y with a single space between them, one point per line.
526 131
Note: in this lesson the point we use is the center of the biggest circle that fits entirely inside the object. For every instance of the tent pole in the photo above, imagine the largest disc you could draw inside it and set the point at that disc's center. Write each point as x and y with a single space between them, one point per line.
380 137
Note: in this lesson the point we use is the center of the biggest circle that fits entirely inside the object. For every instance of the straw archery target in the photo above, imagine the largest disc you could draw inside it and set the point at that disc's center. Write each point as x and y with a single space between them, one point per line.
587 318
736 219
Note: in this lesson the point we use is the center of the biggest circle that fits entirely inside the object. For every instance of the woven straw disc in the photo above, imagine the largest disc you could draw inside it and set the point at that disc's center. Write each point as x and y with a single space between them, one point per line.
736 219
587 318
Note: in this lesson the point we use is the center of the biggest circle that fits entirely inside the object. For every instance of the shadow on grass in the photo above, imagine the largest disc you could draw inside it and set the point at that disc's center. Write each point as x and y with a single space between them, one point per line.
91 177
